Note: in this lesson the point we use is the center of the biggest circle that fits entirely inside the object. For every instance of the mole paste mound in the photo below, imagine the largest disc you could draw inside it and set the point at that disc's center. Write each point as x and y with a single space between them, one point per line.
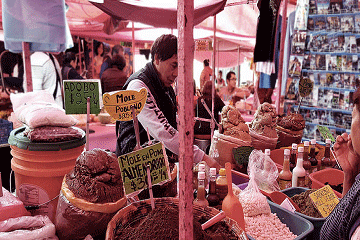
305 204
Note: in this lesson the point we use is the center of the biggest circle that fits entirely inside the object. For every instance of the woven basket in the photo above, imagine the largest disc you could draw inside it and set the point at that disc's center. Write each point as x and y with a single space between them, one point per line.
132 215
262 142
288 137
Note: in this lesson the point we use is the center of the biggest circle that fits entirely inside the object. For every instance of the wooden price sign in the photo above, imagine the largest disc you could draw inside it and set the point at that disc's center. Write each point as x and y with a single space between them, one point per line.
305 86
133 168
76 93
119 104
324 200
325 132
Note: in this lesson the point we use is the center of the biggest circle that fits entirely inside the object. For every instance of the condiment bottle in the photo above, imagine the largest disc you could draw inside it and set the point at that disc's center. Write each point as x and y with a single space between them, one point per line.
306 163
285 176
298 178
200 198
293 156
326 161
201 168
312 157
212 197
221 184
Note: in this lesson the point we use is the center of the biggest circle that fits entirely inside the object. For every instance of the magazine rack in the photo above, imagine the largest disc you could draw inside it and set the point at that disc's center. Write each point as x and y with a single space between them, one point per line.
325 48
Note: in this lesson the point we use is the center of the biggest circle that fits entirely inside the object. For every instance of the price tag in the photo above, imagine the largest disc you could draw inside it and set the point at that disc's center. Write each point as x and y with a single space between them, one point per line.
241 154
76 93
324 200
305 86
325 132
119 104
133 168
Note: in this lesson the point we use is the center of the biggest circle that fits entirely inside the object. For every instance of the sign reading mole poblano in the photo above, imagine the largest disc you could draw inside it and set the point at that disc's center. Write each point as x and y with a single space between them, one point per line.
76 93
133 168
119 104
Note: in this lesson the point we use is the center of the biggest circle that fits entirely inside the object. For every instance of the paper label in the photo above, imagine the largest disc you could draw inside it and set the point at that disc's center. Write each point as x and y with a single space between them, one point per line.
284 184
133 168
288 205
324 200
119 104
76 93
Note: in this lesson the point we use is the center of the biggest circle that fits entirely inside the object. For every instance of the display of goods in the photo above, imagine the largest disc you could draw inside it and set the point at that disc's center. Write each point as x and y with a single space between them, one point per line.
53 134
90 196
233 124
262 142
289 129
305 204
138 221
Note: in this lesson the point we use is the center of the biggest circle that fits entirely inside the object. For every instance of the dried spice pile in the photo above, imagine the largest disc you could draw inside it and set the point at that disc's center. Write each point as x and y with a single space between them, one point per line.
305 204
162 223
338 187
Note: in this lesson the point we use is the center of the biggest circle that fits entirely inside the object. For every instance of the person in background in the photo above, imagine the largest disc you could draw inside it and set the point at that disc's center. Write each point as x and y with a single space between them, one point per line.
46 75
98 59
205 73
344 221
159 113
202 127
114 78
231 92
220 82
68 69
116 50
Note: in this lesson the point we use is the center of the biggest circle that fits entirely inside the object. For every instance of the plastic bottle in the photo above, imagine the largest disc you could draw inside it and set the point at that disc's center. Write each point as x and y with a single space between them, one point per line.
298 178
221 184
285 176
212 197
326 161
293 156
200 198
201 168
306 163
312 157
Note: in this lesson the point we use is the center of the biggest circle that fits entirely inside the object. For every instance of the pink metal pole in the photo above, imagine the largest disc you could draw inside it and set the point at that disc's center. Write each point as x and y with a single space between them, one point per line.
185 25
133 46
27 66
212 124
281 58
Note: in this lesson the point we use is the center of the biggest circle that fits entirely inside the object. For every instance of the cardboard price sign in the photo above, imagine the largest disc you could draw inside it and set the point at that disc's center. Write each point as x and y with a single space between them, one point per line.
76 94
133 168
119 104
324 200
325 132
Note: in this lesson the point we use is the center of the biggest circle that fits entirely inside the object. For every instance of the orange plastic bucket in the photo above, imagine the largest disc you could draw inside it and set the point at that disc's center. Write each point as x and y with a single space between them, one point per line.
40 168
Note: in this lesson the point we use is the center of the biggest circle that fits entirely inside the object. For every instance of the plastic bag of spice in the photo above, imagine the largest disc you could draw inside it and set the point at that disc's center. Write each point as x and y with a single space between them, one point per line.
264 171
252 201
76 218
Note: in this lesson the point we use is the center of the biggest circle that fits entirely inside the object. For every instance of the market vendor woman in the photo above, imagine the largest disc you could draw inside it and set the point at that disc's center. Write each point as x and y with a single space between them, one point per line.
159 112
344 221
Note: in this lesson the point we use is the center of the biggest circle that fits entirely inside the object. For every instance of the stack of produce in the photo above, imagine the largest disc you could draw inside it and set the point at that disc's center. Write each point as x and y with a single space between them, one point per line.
289 129
263 127
233 124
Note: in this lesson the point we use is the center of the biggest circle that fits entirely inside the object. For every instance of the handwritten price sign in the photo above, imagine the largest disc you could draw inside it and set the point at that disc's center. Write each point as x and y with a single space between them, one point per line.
76 94
324 200
119 104
133 168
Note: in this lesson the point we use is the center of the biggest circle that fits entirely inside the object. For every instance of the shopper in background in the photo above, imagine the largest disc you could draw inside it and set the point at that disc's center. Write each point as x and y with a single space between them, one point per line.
68 69
220 82
231 92
205 73
159 113
46 75
116 50
114 78
98 59
344 221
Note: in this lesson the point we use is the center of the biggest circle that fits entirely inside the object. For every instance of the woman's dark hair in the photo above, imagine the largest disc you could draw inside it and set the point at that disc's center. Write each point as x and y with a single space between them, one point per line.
118 61
207 89
228 75
164 46
97 46
68 57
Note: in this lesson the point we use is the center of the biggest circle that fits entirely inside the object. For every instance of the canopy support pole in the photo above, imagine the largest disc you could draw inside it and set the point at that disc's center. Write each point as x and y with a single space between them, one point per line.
133 46
27 66
281 58
185 25
212 124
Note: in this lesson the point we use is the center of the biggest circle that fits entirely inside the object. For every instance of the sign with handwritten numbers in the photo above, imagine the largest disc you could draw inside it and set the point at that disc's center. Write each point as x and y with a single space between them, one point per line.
119 104
76 93
324 200
133 168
